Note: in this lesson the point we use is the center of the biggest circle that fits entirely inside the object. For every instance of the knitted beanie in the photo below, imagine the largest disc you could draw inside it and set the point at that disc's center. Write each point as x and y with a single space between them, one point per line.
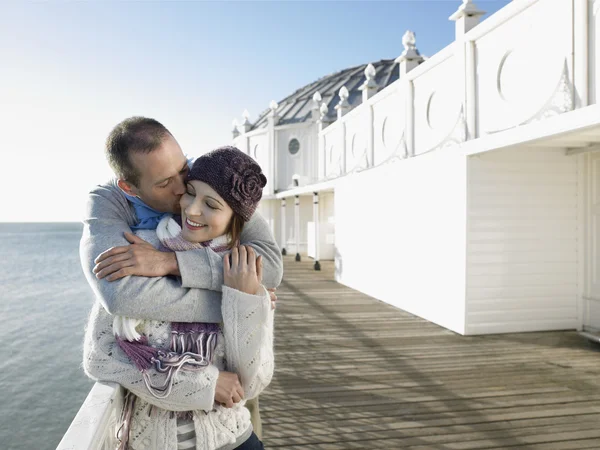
235 176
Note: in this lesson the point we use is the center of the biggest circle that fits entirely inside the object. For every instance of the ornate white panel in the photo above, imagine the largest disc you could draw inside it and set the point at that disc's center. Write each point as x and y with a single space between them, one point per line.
524 68
439 116
389 123
356 140
333 150
259 150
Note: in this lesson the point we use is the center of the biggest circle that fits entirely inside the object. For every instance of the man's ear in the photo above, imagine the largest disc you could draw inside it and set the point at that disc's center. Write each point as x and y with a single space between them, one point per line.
128 188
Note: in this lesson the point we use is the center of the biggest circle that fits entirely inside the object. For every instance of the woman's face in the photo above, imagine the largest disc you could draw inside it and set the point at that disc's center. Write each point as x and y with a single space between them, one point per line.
204 214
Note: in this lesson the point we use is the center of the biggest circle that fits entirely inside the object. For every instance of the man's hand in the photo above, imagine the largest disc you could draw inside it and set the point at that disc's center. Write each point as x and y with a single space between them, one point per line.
140 258
242 270
229 390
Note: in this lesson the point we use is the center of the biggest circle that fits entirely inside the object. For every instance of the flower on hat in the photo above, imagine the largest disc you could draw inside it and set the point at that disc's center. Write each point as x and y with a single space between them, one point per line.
247 181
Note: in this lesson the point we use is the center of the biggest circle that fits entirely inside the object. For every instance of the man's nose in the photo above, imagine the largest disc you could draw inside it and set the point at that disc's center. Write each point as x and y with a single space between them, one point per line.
179 186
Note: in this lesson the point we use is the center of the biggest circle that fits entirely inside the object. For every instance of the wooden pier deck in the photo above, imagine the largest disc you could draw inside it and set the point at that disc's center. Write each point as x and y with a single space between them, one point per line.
355 373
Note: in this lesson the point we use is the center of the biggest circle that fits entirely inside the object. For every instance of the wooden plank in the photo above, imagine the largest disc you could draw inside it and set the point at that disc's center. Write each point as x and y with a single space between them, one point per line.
353 372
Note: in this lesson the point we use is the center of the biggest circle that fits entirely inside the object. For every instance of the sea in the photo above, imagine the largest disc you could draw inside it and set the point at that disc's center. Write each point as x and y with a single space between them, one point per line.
44 303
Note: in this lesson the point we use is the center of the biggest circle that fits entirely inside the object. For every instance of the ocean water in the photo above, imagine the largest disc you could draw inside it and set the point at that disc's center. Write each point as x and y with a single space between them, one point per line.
44 303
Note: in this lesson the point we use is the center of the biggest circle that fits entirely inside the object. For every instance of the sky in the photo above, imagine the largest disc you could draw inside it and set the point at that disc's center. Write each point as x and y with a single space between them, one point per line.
71 70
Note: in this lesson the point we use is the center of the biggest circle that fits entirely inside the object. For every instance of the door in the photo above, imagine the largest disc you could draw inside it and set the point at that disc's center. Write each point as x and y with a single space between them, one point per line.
591 302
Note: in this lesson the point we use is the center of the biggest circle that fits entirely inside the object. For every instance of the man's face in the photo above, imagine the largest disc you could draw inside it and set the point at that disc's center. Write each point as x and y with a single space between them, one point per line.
162 176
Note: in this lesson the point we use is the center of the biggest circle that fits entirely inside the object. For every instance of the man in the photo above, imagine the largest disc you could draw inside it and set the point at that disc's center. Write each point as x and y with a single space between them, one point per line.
174 286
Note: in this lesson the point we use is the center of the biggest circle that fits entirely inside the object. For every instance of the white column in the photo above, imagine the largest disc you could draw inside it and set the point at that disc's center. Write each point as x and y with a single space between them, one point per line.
297 226
471 91
283 210
594 50
317 235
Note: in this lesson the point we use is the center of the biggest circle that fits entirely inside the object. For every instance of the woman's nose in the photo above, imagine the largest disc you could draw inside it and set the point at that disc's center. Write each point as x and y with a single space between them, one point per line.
193 209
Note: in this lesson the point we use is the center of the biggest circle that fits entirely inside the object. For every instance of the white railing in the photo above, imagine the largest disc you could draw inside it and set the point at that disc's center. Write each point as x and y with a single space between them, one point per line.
94 426
527 62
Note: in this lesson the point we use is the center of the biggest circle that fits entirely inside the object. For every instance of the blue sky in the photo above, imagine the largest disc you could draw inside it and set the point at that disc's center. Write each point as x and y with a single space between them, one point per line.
72 70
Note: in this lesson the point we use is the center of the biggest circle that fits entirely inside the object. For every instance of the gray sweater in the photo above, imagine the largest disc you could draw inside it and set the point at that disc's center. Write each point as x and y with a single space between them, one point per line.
109 215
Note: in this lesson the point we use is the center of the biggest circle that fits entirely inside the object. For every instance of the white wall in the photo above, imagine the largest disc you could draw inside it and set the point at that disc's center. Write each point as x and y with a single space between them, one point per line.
270 210
522 241
401 235
302 163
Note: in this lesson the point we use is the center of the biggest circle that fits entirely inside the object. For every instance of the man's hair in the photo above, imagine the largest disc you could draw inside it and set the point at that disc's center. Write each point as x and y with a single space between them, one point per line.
135 134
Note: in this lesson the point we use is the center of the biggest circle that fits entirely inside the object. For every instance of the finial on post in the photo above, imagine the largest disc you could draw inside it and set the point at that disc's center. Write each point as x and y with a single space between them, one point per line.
246 125
316 101
410 57
323 110
369 87
235 131
343 106
272 118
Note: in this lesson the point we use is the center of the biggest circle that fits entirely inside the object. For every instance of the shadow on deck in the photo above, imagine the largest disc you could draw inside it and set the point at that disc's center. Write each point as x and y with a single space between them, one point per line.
355 373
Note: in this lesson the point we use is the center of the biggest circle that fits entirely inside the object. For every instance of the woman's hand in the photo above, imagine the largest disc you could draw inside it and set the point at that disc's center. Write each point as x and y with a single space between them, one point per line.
229 390
243 270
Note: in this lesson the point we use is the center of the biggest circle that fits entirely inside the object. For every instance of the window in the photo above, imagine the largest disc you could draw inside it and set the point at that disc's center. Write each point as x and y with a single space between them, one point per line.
294 146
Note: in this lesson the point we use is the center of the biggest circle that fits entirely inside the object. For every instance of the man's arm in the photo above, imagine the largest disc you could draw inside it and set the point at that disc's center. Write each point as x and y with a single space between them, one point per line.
197 266
106 220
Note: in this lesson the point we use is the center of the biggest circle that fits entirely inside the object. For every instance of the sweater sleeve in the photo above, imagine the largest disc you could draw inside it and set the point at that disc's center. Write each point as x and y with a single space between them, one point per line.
107 218
199 266
248 330
103 360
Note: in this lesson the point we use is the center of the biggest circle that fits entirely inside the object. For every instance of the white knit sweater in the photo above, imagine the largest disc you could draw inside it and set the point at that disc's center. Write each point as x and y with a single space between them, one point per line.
244 346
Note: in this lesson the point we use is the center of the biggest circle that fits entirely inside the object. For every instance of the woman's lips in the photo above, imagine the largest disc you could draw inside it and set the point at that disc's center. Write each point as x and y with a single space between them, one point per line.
193 225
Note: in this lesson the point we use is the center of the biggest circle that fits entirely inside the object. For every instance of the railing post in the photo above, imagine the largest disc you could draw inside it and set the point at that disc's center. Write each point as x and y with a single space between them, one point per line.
369 89
323 110
342 108
582 37
408 60
466 17
316 219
